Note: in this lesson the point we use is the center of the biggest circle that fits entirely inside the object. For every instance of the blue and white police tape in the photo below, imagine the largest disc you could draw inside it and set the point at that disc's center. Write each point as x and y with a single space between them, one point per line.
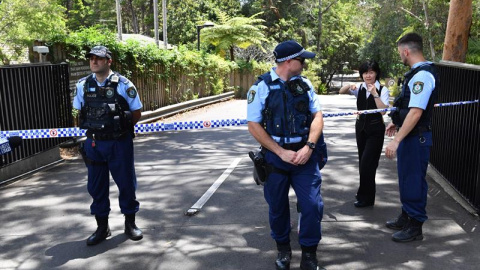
158 127
455 103
140 128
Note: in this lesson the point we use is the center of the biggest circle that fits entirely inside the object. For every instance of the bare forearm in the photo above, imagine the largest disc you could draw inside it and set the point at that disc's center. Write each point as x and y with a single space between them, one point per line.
345 89
380 103
316 128
136 116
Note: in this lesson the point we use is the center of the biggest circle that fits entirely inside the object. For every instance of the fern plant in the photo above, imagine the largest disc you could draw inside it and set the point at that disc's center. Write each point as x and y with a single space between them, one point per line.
234 31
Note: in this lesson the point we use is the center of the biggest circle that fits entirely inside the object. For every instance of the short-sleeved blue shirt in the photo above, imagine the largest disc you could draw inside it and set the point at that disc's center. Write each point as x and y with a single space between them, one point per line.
421 87
124 84
261 90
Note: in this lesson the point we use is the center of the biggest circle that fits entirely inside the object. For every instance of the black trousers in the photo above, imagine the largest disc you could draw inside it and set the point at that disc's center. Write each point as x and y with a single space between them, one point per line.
369 143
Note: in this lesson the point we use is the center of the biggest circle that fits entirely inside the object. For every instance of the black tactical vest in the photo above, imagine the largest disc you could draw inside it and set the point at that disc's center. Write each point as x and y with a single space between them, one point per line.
364 103
105 113
402 101
287 112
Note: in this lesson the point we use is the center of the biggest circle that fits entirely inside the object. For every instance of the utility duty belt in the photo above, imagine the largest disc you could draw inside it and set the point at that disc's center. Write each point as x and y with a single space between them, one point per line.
293 146
261 169
106 136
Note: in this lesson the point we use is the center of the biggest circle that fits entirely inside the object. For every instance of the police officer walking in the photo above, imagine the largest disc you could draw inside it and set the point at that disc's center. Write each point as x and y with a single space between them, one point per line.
284 116
413 139
109 108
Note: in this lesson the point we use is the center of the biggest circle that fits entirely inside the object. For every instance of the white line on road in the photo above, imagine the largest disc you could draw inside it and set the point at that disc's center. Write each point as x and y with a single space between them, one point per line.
206 196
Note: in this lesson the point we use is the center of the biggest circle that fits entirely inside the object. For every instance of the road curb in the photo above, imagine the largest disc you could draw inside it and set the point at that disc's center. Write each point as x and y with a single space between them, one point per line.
151 116
447 187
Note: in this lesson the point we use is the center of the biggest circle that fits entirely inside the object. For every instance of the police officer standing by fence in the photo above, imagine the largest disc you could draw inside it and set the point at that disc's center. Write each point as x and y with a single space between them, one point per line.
284 116
109 108
413 139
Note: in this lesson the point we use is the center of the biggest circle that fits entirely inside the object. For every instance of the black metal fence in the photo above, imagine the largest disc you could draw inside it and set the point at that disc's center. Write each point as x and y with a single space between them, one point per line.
456 130
34 97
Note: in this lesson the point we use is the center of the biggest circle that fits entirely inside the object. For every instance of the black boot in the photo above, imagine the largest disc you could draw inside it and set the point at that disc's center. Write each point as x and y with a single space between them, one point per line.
133 232
309 259
399 222
284 256
102 232
412 231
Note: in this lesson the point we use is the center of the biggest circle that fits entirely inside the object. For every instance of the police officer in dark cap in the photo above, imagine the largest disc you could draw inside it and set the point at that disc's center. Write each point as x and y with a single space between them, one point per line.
109 108
284 115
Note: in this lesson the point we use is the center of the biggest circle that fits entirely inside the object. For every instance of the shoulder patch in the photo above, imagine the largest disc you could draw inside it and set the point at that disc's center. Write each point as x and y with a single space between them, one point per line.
251 96
132 92
417 87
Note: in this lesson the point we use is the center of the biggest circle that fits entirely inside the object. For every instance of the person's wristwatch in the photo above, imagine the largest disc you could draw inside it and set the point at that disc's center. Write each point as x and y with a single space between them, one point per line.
376 96
311 145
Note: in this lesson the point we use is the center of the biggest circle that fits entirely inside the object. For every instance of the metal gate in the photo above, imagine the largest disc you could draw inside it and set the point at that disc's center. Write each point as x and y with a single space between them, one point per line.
34 96
456 130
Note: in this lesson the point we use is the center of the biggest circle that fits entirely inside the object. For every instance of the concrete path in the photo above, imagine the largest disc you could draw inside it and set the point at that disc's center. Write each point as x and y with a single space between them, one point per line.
45 217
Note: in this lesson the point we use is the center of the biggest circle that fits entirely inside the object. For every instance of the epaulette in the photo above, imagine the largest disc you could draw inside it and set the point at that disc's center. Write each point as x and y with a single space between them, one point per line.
122 78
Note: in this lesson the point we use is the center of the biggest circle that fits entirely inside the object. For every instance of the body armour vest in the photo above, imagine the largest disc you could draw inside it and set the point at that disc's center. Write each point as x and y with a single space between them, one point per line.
364 103
402 101
287 112
105 112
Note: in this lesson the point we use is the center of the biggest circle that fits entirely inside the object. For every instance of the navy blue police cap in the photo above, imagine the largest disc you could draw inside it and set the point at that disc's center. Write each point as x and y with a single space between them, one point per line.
290 49
100 51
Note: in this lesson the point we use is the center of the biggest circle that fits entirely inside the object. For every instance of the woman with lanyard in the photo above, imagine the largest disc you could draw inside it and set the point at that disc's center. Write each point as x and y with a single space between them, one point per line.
369 128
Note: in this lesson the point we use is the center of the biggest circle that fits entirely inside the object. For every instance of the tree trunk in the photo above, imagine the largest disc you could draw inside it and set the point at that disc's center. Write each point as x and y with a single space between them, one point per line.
303 35
320 18
427 26
274 9
232 56
458 28
134 17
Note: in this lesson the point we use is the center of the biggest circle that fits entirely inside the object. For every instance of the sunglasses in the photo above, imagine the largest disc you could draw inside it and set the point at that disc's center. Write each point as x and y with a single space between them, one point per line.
302 60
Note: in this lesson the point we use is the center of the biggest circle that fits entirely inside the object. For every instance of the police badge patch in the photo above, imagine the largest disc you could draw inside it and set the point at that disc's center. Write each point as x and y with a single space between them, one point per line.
131 92
251 96
109 93
417 87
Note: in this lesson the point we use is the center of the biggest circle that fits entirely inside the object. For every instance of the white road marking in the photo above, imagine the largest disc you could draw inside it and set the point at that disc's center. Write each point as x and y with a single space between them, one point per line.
206 196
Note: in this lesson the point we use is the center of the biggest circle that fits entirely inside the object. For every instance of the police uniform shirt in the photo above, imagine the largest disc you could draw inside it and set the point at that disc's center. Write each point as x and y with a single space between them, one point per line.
258 94
123 85
384 93
421 87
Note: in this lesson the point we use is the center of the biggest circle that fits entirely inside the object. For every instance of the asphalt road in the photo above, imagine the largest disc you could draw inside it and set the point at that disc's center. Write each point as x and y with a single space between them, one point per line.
45 217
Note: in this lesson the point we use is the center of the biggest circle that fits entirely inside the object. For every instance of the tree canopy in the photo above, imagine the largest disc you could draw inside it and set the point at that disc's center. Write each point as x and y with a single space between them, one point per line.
23 21
339 31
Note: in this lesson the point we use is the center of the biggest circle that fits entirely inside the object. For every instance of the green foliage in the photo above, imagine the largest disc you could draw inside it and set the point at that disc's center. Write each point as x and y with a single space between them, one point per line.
23 21
184 16
339 43
473 55
391 19
234 31
132 58
311 72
